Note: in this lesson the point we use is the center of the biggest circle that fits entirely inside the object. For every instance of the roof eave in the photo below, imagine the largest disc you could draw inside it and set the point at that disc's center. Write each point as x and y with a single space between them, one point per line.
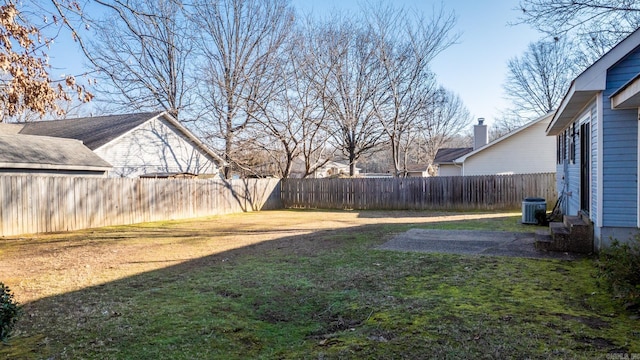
464 157
35 166
193 138
589 83
571 106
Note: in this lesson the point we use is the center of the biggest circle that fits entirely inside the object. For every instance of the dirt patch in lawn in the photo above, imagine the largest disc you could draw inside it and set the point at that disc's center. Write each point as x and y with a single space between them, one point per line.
44 265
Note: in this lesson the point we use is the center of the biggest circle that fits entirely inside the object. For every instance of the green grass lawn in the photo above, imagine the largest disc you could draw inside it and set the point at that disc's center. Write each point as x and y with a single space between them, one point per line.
330 295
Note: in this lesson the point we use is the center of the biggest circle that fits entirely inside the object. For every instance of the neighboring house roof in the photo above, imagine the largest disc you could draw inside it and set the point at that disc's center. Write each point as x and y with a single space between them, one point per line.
448 155
298 165
335 164
590 82
92 131
169 175
423 170
43 152
417 167
462 158
97 131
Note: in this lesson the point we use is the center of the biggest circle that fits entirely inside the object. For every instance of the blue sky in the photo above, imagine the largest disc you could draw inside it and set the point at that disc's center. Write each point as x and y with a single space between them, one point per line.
474 68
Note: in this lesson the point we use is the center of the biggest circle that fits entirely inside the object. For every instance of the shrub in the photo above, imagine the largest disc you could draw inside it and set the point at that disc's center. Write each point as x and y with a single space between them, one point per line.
619 267
9 312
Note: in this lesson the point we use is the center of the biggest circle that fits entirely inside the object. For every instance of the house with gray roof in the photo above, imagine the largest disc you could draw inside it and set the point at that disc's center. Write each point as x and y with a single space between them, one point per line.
525 150
44 155
135 144
445 160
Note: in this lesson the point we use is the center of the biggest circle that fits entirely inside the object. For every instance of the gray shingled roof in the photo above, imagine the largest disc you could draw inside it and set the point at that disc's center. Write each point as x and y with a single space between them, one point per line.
447 155
43 152
92 131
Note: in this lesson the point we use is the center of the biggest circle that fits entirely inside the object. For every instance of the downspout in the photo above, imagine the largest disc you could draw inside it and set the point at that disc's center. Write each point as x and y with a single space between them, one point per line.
460 165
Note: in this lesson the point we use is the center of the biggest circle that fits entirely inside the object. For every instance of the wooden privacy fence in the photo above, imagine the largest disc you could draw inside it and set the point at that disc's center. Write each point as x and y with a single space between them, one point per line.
36 204
434 193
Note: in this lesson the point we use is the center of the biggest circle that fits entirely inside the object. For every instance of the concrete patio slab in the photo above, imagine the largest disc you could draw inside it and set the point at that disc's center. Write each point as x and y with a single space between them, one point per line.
471 242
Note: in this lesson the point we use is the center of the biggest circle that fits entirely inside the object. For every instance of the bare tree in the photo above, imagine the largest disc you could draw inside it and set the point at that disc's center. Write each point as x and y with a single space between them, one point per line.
598 24
537 80
507 121
70 17
296 121
24 76
239 40
348 80
314 149
406 42
141 50
442 122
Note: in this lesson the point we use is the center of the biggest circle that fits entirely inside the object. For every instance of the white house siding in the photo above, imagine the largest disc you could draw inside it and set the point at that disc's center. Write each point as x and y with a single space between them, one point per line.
527 152
155 146
449 170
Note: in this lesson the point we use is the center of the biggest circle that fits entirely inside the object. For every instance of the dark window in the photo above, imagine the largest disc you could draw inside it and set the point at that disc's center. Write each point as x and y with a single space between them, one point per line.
572 144
558 149
562 138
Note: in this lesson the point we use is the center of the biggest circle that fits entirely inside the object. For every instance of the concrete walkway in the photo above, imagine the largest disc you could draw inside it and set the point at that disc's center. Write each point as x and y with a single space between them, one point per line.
471 242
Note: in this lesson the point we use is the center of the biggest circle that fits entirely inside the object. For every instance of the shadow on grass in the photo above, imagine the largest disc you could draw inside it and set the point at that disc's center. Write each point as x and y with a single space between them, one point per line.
325 294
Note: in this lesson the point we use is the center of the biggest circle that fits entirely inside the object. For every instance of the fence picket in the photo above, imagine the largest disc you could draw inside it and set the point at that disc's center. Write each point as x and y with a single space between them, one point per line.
35 204
493 192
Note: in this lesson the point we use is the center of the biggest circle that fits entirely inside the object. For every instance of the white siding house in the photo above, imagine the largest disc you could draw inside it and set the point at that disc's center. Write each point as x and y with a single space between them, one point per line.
526 150
445 158
156 146
449 170
136 144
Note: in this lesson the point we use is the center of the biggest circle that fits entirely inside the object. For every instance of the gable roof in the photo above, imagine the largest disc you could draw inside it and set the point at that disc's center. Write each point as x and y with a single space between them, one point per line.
97 131
92 131
589 83
504 137
448 155
44 152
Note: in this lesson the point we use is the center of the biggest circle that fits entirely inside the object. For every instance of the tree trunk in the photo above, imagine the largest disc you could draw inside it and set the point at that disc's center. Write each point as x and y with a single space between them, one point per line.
228 147
352 161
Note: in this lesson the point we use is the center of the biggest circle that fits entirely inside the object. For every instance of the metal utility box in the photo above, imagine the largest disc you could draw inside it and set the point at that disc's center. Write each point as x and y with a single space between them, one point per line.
529 208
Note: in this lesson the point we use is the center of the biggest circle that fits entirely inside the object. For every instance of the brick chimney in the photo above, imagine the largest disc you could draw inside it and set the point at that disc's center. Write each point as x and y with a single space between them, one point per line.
480 134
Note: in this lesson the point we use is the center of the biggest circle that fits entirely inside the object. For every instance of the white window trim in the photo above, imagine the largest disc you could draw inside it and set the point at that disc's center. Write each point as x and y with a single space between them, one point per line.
599 170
